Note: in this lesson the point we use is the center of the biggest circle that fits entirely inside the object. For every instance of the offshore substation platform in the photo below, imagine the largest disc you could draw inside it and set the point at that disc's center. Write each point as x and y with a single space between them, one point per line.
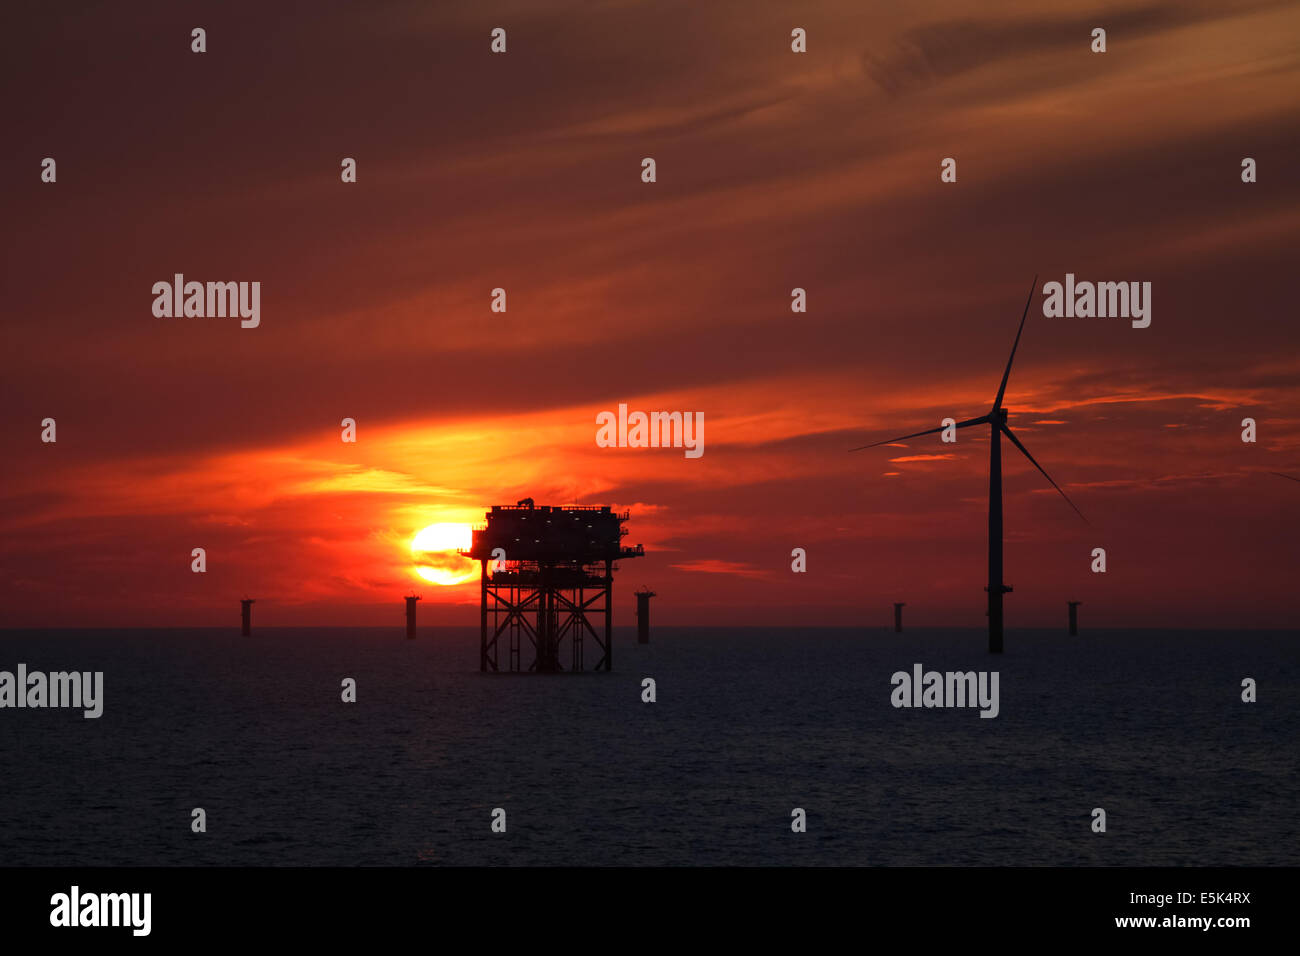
548 575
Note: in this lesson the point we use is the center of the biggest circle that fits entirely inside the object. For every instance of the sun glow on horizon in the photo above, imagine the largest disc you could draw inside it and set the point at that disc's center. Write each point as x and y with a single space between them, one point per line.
435 550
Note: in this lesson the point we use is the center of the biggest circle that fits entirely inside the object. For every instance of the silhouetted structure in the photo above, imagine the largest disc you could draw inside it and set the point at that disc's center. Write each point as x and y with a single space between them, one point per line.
898 616
410 617
643 597
246 616
1074 618
556 576
996 419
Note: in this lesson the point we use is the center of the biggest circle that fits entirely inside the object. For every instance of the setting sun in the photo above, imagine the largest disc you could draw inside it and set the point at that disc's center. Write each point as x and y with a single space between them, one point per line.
435 552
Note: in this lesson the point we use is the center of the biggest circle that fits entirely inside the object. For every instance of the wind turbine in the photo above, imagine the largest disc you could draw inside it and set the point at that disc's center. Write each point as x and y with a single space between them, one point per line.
996 419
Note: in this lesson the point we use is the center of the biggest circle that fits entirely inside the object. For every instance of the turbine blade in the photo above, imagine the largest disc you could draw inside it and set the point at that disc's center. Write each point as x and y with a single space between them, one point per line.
1025 451
929 431
997 402
1280 475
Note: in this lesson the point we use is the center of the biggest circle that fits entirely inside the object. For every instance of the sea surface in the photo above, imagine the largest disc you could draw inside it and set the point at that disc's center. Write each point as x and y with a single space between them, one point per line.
748 725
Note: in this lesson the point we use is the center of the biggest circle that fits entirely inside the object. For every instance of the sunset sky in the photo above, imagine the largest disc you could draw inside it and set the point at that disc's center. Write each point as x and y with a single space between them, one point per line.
775 170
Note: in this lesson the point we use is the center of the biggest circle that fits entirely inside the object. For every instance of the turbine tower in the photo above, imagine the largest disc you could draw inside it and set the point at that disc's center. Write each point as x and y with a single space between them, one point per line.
996 419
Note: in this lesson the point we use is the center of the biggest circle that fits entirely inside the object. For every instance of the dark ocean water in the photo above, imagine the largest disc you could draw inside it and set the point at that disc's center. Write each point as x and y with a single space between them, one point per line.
749 724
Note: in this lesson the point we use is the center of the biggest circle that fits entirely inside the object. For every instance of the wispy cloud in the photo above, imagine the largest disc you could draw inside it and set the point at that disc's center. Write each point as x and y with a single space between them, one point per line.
714 566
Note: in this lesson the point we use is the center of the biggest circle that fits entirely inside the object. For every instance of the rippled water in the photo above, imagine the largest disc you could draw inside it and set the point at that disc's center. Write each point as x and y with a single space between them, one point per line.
749 723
